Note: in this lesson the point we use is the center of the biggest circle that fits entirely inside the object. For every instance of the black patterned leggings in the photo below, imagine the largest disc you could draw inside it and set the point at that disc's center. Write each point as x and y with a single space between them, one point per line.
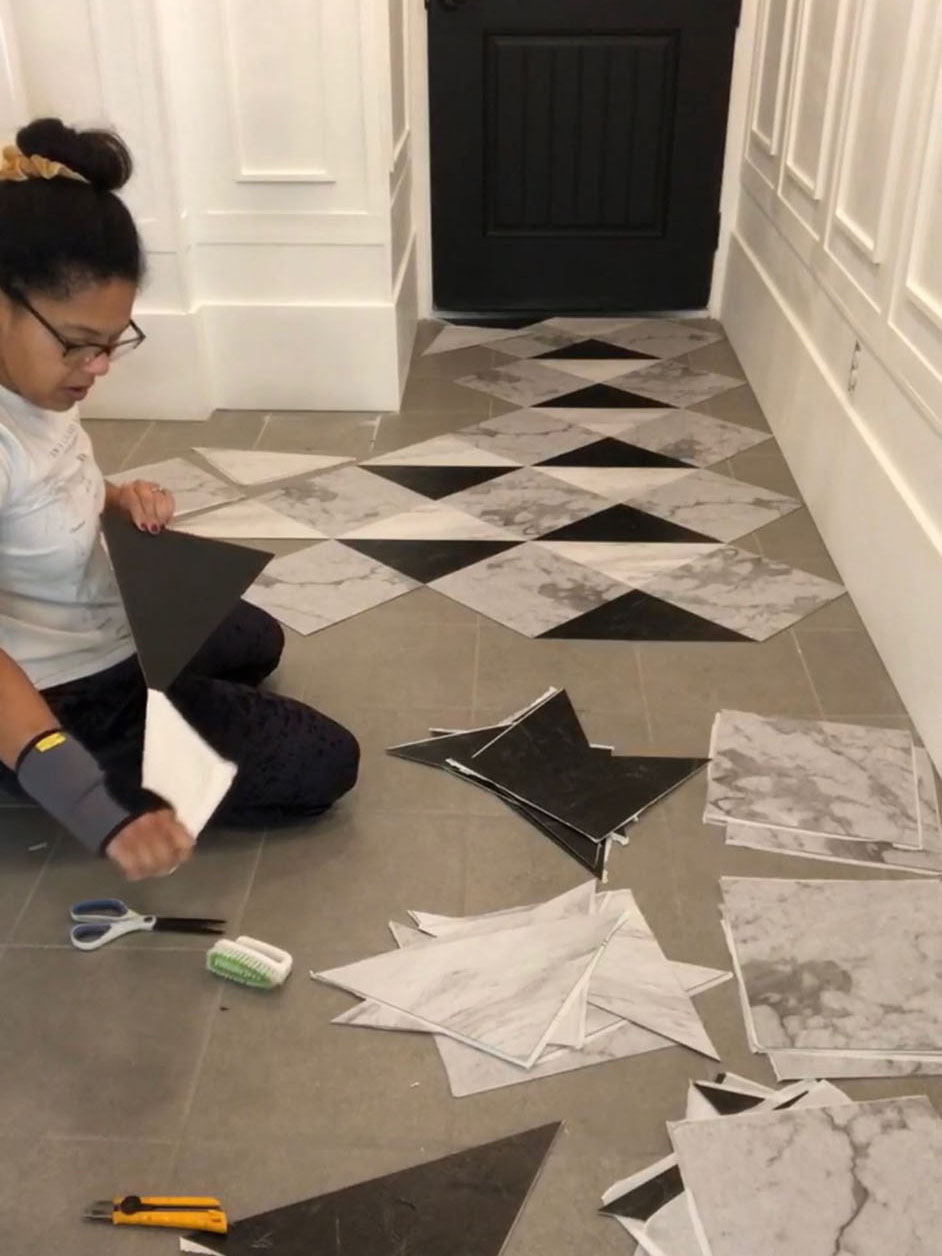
293 762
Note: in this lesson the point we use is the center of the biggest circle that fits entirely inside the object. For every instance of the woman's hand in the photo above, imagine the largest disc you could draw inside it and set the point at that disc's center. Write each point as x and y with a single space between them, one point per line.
153 845
147 505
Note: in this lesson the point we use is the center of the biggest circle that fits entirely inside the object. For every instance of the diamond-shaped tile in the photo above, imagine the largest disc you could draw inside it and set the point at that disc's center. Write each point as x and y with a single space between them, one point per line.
637 616
454 337
441 451
340 500
661 338
591 349
597 396
609 452
698 439
608 422
432 521
592 326
676 384
522 384
535 342
426 561
743 592
528 589
527 502
324 584
438 482
715 505
193 487
625 527
599 370
634 565
524 436
618 483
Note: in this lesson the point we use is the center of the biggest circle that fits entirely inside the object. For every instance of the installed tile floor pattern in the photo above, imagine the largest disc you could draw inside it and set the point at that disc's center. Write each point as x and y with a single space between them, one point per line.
132 1070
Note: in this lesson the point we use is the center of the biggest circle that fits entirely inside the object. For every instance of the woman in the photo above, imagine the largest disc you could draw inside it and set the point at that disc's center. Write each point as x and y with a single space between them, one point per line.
72 697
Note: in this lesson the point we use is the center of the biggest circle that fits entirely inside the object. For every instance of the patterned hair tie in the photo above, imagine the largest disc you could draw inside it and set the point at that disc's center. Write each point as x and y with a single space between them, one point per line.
17 167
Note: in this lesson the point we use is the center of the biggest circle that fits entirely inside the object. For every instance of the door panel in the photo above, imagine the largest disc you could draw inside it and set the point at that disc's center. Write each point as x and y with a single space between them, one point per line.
577 151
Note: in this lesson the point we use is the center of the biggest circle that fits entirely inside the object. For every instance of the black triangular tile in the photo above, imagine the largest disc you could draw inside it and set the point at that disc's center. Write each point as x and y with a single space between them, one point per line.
637 616
625 523
177 589
429 560
581 848
436 482
611 452
604 397
436 751
643 1201
727 1102
593 350
467 1203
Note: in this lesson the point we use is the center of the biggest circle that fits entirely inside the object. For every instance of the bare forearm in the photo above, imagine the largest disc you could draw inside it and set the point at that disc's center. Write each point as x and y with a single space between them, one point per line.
26 713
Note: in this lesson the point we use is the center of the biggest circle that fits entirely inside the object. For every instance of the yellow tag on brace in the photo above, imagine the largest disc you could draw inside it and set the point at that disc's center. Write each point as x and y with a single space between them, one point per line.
50 742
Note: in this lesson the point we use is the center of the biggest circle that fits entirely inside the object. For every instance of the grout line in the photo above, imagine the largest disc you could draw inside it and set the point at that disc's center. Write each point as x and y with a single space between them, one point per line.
476 667
53 847
261 431
645 705
804 662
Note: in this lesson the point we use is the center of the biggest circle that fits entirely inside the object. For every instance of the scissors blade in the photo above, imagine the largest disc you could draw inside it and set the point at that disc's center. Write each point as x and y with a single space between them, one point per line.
189 924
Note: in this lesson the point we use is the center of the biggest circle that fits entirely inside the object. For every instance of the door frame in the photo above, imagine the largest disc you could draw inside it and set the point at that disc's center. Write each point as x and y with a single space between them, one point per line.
417 58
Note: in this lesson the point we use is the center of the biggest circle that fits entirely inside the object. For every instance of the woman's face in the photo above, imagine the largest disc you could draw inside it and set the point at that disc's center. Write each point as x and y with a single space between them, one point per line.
35 364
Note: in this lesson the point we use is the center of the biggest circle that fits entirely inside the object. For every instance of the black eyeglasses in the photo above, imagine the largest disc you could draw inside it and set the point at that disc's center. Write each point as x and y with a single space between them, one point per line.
83 353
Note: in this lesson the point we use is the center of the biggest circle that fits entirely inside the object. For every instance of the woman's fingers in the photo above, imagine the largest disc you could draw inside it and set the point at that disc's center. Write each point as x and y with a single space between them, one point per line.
146 504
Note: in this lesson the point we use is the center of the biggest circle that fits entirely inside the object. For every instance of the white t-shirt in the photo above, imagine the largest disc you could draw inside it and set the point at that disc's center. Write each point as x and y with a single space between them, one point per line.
61 616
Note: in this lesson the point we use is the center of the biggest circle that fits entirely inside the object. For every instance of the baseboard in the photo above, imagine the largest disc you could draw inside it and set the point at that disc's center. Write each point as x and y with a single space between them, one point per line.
880 531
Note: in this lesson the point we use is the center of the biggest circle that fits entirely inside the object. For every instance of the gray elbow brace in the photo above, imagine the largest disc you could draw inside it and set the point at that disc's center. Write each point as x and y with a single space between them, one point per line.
60 774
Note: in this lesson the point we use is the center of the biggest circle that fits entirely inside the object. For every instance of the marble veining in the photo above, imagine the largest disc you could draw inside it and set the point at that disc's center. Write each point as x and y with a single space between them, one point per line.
443 451
840 780
247 519
632 564
606 422
528 589
525 383
524 437
620 484
534 341
716 505
324 584
660 338
485 990
755 596
598 370
599 327
850 1180
576 902
264 466
696 438
839 965
527 502
788 1065
342 500
676 384
194 488
434 521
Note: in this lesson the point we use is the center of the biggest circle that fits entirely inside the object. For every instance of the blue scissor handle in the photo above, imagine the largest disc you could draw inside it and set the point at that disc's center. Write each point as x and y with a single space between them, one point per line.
101 911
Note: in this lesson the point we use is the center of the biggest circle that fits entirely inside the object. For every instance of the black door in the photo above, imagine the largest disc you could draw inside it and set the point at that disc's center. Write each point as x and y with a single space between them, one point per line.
577 151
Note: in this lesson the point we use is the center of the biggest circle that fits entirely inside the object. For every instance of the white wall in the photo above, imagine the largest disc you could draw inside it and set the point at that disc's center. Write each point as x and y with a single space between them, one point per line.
837 244
273 183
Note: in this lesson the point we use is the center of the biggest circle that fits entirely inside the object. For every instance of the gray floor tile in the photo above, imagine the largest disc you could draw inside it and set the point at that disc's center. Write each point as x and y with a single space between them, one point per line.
104 1043
238 429
27 840
766 468
216 885
48 1184
848 674
395 431
456 362
443 396
796 540
326 432
114 440
717 357
739 405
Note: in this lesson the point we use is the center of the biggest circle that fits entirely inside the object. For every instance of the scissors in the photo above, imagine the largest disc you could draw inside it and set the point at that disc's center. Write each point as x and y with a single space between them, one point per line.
102 920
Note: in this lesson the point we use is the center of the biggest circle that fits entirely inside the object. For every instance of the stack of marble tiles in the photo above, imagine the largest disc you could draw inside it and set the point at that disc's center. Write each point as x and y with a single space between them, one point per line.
840 792
531 992
801 1171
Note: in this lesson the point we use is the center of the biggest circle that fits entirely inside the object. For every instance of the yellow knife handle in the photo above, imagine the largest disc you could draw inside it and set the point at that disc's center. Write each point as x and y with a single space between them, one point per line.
171 1212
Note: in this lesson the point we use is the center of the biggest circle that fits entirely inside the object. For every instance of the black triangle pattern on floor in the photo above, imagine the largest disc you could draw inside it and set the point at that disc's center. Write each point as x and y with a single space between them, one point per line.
611 452
603 397
436 482
595 350
637 616
426 561
625 523
644 1200
727 1102
177 589
467 1203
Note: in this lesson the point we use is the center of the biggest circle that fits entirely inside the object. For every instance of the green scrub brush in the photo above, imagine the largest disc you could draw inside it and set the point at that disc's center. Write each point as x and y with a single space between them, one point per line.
250 962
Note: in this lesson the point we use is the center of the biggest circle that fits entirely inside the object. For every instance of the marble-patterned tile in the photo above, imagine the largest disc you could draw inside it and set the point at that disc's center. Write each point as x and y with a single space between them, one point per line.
247 519
662 339
840 780
636 616
630 564
193 487
609 451
527 502
523 437
715 504
576 902
522 384
838 965
456 337
484 990
853 1178
433 521
622 484
635 981
596 370
324 584
676 384
444 451
339 501
590 326
620 524
755 596
533 342
792 1065
606 422
696 438
265 466
528 589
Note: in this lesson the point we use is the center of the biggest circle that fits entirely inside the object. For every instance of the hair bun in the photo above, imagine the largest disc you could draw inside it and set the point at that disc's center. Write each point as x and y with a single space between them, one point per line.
101 157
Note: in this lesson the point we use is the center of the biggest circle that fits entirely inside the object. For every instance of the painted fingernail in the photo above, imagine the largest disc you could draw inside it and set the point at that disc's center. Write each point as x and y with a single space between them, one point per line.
154 528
